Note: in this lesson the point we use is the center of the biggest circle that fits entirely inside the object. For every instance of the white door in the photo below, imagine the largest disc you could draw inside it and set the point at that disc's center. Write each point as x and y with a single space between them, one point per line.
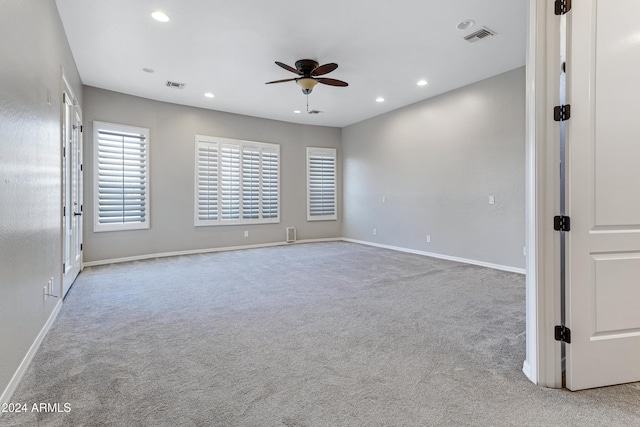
72 197
603 193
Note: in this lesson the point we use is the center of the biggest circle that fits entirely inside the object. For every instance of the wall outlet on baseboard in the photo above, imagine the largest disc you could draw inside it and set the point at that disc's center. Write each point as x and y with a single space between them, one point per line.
428 239
375 231
246 234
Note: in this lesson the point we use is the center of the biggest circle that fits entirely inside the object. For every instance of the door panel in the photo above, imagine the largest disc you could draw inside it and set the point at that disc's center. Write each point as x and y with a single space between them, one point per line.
603 246
72 197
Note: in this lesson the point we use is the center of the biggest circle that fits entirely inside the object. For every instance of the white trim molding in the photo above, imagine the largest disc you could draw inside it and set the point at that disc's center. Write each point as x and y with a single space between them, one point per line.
440 256
204 251
26 361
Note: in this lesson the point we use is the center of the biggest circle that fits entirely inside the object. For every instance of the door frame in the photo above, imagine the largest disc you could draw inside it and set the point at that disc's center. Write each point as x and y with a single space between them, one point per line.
75 111
543 364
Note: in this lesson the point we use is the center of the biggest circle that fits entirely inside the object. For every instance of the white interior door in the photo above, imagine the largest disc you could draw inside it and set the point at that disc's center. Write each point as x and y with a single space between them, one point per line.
72 198
603 193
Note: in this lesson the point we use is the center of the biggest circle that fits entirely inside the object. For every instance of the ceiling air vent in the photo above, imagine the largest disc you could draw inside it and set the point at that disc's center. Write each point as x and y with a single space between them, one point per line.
314 112
482 33
175 85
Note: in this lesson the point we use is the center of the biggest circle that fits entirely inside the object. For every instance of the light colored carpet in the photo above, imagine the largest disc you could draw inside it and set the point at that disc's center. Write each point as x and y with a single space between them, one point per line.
324 334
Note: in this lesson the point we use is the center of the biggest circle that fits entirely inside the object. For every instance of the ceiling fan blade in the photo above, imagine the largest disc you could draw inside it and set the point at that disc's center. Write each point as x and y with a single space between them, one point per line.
324 69
288 68
280 81
332 82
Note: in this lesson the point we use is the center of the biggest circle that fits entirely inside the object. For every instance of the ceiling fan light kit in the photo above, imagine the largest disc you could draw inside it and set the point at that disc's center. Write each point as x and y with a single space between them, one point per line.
309 70
307 84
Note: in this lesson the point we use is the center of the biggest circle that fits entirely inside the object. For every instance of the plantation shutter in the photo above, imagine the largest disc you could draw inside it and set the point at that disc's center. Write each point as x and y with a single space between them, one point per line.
237 181
122 188
207 184
270 183
230 185
321 184
250 183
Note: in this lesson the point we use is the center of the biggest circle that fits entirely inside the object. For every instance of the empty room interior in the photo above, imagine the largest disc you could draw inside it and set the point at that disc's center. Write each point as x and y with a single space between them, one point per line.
273 213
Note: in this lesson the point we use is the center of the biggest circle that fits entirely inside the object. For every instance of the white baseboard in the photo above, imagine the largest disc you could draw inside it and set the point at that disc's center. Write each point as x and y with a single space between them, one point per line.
526 368
26 361
204 251
440 256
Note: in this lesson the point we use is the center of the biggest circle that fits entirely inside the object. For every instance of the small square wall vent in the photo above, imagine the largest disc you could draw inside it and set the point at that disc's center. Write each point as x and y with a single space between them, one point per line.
482 33
175 85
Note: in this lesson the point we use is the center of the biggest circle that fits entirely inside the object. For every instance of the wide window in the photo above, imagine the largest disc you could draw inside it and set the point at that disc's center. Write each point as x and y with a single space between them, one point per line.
321 184
237 182
121 180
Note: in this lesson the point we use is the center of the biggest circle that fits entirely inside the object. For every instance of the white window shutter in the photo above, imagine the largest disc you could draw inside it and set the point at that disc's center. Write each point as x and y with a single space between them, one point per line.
321 184
207 182
230 182
121 168
237 182
270 183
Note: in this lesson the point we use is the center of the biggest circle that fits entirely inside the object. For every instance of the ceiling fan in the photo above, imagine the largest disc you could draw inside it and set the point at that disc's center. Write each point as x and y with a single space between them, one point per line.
309 70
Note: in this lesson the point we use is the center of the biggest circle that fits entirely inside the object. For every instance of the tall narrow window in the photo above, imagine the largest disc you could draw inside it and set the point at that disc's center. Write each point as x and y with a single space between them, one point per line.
121 184
321 184
237 182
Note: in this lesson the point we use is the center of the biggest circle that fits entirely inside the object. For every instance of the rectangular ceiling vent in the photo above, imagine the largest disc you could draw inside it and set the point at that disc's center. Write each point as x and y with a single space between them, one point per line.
175 85
482 33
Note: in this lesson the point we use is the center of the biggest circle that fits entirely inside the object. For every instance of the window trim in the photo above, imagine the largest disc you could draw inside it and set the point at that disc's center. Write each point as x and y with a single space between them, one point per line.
119 128
330 152
242 146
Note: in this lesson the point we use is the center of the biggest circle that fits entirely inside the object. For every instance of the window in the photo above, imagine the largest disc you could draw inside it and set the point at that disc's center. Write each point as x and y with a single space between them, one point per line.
121 180
321 184
237 182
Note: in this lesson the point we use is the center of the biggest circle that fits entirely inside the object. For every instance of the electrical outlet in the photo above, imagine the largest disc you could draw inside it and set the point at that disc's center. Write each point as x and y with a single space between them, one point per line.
246 234
384 199
428 239
492 200
375 231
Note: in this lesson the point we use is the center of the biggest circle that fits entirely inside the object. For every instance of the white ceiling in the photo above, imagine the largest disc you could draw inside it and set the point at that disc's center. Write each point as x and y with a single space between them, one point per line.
228 47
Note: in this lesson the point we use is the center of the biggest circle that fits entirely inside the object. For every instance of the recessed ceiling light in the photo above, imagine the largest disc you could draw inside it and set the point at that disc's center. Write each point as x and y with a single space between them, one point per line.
297 111
160 16
209 95
422 83
466 24
380 99
148 70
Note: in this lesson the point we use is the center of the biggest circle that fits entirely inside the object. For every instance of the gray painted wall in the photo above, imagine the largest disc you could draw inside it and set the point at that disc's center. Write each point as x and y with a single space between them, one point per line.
34 49
172 132
437 162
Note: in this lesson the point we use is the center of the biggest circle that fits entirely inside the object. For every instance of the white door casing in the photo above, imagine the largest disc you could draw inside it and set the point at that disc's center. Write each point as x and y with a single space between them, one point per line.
603 200
72 189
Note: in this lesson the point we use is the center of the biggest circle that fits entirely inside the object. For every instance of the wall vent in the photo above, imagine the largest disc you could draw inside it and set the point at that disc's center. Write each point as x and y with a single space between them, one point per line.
314 112
175 85
290 234
482 33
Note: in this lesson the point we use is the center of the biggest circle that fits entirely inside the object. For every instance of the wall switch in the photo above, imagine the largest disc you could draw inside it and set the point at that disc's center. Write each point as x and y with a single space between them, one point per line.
524 250
246 234
44 293
492 200
375 231
428 239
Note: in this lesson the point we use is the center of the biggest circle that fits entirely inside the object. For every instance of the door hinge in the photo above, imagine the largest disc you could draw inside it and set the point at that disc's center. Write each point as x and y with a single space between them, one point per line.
562 113
80 246
561 223
562 6
563 334
77 127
